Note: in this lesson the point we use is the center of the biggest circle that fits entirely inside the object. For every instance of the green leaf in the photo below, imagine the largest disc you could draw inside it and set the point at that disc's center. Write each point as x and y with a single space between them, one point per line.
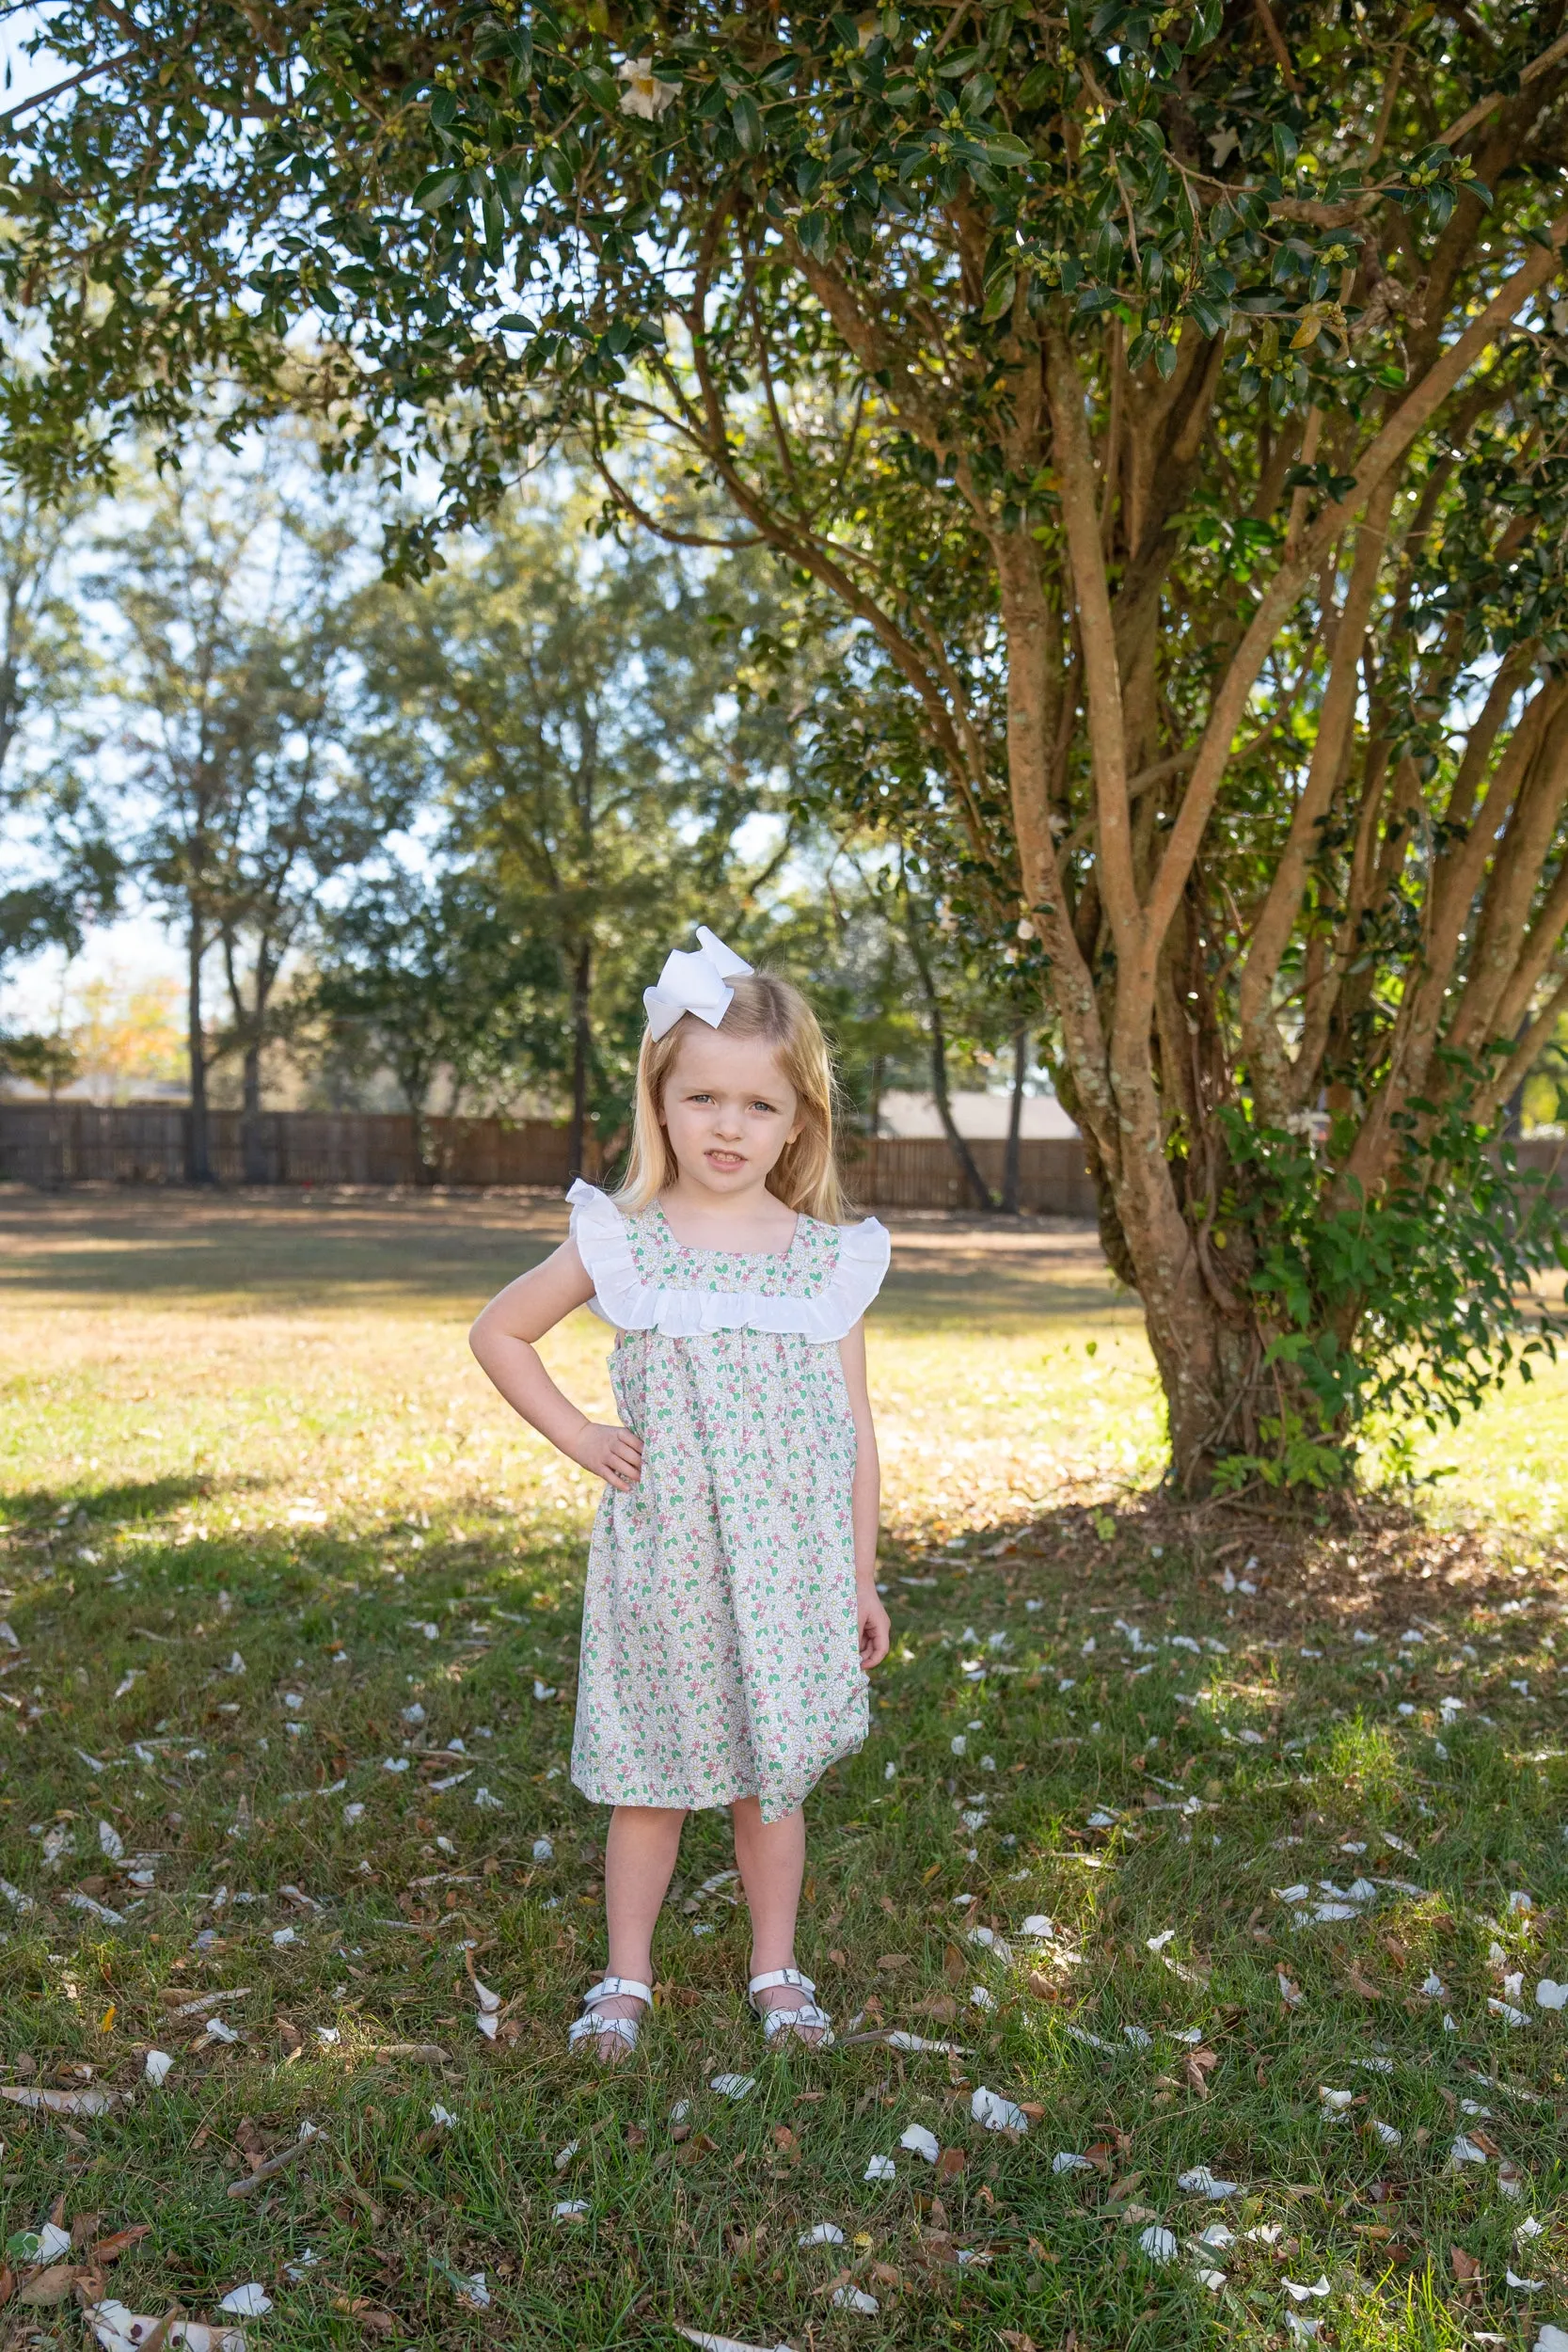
746 116
999 295
1038 83
1005 148
601 87
443 109
437 188
557 170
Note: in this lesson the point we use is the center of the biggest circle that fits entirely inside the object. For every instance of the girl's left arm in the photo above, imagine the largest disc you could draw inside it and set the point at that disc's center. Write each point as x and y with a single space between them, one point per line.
865 1503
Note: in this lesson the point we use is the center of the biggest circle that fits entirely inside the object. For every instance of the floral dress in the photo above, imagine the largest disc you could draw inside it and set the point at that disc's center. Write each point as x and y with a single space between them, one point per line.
721 1640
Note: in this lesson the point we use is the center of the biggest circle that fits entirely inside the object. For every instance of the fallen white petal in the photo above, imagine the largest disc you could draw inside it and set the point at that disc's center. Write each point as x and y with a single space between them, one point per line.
328 2036
1200 2181
700 2336
1213 2280
1530 2228
921 2142
1157 1943
489 2002
251 2301
995 2113
569 2209
1526 2286
821 2233
1158 2244
880 2169
1506 2010
732 2085
110 1841
848 2298
1549 1994
1036 1924
1300 2293
79 1902
285 1935
543 1849
220 2030
156 2067
443 2117
1068 2160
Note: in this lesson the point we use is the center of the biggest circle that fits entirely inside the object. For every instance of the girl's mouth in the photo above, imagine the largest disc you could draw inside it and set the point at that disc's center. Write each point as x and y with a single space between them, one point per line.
726 1161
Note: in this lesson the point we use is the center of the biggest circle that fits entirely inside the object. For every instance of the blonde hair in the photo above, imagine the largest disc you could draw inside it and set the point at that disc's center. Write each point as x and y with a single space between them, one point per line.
805 1176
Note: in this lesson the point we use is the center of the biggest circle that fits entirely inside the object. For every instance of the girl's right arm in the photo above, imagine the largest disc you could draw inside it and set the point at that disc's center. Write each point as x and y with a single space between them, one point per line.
503 1336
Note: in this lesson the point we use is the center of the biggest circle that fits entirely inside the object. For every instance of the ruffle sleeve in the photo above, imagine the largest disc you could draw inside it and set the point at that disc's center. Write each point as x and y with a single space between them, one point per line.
623 1298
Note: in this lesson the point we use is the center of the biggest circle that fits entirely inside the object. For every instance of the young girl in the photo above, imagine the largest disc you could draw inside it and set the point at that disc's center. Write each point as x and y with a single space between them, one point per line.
731 1616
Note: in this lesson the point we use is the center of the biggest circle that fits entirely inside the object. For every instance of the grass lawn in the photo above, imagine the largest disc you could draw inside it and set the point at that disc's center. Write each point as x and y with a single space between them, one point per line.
287 1662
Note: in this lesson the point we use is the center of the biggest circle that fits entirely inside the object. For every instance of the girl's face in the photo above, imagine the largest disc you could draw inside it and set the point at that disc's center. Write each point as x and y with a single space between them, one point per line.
728 1109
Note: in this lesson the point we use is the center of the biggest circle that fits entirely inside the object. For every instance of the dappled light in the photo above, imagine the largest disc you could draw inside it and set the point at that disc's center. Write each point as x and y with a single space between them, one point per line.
1189 1919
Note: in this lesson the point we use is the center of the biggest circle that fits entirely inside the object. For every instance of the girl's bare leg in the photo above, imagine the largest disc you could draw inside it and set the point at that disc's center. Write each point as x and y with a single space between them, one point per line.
640 1858
771 1858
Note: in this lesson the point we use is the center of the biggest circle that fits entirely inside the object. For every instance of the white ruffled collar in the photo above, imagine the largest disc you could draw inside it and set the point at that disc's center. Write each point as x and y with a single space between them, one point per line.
622 1297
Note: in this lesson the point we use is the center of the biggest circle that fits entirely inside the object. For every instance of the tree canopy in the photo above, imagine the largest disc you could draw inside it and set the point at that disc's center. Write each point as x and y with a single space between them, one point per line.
1173 400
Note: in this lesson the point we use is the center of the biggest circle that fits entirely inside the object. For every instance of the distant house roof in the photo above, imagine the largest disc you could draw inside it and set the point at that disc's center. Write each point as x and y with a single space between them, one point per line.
975 1115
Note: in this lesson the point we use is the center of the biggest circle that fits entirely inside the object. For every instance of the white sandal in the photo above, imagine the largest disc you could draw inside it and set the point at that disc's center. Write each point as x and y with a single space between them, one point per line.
791 2020
624 2029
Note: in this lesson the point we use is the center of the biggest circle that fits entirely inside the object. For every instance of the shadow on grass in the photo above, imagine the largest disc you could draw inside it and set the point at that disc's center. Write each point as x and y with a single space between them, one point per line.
285 1250
1372 1558
33 1509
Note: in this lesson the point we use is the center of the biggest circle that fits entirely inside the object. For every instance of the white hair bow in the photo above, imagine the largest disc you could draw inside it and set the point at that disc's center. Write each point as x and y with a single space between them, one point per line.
696 981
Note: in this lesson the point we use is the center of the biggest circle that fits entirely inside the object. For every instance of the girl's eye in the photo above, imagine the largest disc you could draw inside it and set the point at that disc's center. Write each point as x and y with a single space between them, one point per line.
763 1107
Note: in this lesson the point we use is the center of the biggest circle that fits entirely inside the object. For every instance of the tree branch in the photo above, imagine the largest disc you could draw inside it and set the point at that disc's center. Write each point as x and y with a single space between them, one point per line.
1107 740
1380 455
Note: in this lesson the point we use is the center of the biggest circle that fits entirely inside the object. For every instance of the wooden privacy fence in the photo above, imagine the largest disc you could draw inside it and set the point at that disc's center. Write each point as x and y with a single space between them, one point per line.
918 1172
53 1144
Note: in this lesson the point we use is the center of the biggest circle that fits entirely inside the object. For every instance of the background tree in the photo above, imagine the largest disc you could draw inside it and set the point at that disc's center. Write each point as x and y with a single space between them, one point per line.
223 711
1175 401
570 707
424 977
72 874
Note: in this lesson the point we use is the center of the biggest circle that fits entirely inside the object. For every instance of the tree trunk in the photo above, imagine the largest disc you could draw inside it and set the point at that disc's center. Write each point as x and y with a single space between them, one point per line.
1015 1122
415 1079
252 1146
582 1048
199 1160
979 1192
